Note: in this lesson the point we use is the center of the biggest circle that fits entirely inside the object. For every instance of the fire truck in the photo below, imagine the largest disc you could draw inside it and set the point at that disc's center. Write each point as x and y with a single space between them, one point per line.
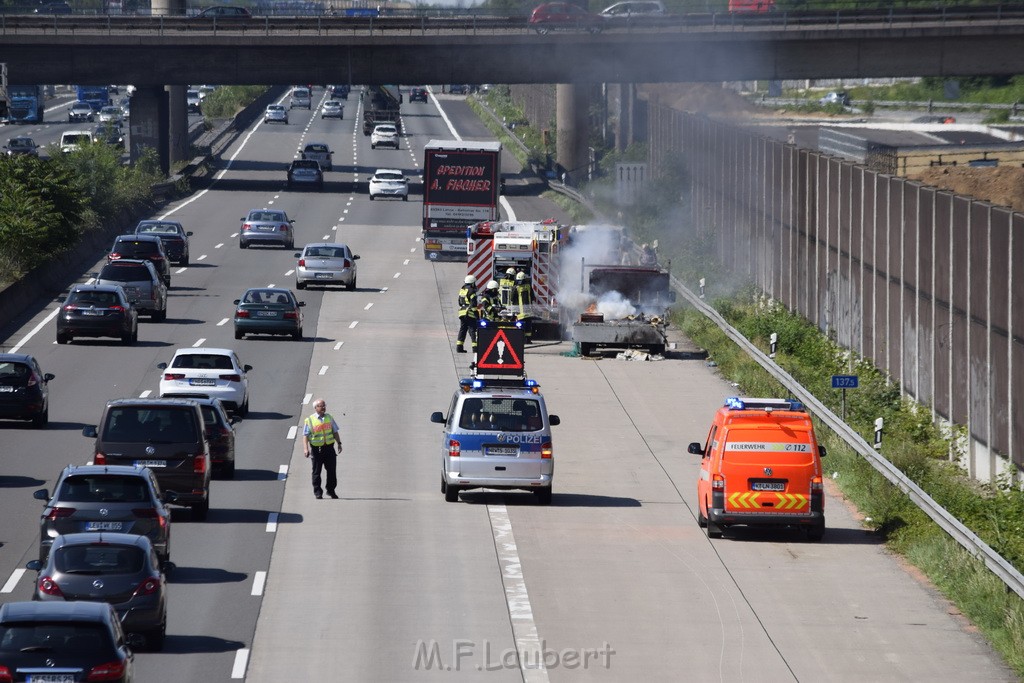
531 247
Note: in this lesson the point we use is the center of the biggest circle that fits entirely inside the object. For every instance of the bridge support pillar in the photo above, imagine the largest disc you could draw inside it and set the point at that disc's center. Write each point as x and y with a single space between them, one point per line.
177 106
168 8
149 124
572 105
622 104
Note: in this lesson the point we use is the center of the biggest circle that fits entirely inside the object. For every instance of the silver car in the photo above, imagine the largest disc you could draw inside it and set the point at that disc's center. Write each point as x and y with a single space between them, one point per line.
326 263
333 109
321 153
141 283
267 226
305 172
275 113
301 97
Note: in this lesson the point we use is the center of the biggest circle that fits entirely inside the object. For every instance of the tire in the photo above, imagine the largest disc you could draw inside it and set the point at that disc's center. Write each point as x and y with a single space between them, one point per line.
297 334
371 197
242 245
135 335
373 146
300 285
352 286
702 521
543 495
126 338
229 471
451 495
63 339
815 533
543 30
41 420
160 316
243 409
200 511
155 638
444 485
405 198
586 348
184 261
239 334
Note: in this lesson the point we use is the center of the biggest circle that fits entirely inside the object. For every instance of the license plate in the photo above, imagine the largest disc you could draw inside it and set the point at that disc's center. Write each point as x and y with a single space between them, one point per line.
6 390
266 314
501 450
769 486
104 526
151 463
91 312
324 276
202 382
266 228
51 678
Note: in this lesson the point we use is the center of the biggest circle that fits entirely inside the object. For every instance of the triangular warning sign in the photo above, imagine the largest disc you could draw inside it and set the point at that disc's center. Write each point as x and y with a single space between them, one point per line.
504 352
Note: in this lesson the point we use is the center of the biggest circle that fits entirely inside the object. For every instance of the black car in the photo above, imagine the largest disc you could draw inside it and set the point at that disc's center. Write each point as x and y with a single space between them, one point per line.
339 92
53 8
119 498
166 435
63 641
110 133
120 569
418 95
220 434
24 391
458 89
149 247
172 234
97 311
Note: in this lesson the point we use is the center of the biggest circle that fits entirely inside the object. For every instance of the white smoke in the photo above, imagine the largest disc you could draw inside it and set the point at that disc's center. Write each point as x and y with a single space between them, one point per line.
590 245
614 307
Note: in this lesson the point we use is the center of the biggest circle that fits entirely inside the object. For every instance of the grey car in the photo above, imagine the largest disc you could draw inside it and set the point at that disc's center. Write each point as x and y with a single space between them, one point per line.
266 226
305 172
120 569
141 284
275 113
326 263
321 153
122 498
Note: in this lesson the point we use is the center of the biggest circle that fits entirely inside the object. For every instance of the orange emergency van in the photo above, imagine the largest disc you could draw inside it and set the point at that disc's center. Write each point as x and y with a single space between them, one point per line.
761 466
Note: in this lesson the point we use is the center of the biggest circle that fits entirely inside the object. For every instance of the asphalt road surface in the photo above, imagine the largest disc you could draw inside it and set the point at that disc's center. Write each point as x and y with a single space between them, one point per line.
614 581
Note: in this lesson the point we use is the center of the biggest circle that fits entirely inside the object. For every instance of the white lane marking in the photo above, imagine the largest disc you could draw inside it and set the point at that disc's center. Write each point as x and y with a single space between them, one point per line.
307 398
368 306
272 201
241 660
201 258
234 234
334 227
346 210
258 581
405 262
146 393
13 581
291 431
524 628
282 472
223 322
383 290
327 236
42 323
179 271
271 522
396 276
354 323
413 250
271 285
338 345
508 208
323 370
202 340
290 272
218 246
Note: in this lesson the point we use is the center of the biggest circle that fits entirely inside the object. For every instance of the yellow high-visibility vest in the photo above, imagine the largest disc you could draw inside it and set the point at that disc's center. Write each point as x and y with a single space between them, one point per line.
321 432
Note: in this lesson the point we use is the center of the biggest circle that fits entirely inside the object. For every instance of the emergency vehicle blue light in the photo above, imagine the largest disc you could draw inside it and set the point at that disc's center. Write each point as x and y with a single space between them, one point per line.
519 324
483 323
735 403
478 384
530 383
796 405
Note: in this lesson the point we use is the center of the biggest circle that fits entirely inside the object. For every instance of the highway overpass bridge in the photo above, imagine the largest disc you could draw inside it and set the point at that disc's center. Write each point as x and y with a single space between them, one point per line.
153 52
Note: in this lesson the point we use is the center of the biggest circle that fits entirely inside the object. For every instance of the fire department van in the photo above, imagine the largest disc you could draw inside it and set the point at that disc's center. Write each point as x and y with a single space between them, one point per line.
761 466
497 435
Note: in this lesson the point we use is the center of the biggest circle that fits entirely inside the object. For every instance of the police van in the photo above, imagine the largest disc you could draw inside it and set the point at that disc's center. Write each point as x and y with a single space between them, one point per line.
761 466
497 435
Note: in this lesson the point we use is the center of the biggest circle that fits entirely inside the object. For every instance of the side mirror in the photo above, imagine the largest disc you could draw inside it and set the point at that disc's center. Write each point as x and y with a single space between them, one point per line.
695 448
34 565
302 303
437 417
298 254
237 301
135 640
235 419
162 366
89 431
41 494
189 233
554 420
355 257
247 368
822 452
47 377
169 496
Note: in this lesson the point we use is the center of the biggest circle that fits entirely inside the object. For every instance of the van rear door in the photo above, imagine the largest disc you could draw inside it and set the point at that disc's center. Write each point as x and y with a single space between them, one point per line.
768 470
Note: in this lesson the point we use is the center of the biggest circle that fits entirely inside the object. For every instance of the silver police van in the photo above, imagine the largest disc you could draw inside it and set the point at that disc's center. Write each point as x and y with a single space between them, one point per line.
497 435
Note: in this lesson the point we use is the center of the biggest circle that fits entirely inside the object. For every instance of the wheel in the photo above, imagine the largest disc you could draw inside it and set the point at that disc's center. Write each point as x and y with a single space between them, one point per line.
243 410
543 495
155 638
352 285
63 339
297 334
816 532
371 197
160 316
201 510
702 521
229 471
126 338
135 335
586 348
405 197
184 261
373 146
444 485
239 334
714 530
41 420
299 284
242 245
451 495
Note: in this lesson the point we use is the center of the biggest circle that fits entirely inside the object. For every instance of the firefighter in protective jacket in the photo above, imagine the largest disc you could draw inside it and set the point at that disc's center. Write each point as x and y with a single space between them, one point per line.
505 287
490 302
468 313
522 301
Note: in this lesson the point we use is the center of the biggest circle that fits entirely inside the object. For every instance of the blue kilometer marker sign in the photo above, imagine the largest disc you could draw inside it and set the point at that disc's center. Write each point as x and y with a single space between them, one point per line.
845 381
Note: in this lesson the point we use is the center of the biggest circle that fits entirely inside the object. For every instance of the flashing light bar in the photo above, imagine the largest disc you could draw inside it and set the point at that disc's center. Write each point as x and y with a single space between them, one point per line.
767 404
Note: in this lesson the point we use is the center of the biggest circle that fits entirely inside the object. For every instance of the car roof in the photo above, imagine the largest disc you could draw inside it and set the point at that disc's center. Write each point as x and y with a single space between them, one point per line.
388 170
325 244
15 358
205 350
123 402
132 237
317 143
384 125
78 610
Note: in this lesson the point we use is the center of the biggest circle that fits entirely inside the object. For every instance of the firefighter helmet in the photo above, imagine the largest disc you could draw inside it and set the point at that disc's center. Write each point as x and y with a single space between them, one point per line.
493 284
470 280
510 272
520 277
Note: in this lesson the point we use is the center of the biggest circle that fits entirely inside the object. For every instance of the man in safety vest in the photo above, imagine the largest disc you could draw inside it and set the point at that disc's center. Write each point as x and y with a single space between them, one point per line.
522 302
468 313
505 287
320 433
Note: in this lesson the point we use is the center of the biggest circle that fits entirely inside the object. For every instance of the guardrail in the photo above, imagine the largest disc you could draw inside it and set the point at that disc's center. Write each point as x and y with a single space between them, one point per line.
957 531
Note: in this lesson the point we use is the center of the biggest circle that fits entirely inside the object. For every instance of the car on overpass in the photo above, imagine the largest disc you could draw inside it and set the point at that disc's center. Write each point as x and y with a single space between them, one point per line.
564 16
222 12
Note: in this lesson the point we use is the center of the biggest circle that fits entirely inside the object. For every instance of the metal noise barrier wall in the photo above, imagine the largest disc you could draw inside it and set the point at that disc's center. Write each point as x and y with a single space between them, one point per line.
961 534
919 281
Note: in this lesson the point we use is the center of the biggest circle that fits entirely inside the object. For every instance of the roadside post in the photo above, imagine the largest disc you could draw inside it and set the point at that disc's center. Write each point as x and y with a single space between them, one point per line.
844 382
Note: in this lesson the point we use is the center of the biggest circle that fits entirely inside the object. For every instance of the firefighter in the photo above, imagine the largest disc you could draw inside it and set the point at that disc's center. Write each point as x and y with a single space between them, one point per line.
468 313
522 302
505 287
648 256
490 303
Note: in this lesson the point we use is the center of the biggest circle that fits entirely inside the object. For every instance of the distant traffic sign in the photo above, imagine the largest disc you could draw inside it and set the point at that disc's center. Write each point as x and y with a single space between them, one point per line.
845 381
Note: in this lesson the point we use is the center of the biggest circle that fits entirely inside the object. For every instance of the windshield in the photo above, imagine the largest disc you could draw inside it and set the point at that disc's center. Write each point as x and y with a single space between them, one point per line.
99 559
103 488
129 272
501 414
69 639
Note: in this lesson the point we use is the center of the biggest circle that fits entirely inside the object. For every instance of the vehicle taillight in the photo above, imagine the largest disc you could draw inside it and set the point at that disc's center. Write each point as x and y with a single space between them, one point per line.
199 464
816 484
5 675
59 513
717 482
546 450
348 264
225 432
454 448
114 256
302 263
147 587
156 257
50 587
232 378
70 307
99 459
119 309
283 227
111 671
291 315
241 313
246 226
174 375
33 380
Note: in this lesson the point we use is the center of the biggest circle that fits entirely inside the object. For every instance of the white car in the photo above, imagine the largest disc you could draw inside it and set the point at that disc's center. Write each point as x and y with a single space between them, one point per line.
275 113
111 114
301 97
333 109
389 182
209 372
73 140
319 152
384 134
